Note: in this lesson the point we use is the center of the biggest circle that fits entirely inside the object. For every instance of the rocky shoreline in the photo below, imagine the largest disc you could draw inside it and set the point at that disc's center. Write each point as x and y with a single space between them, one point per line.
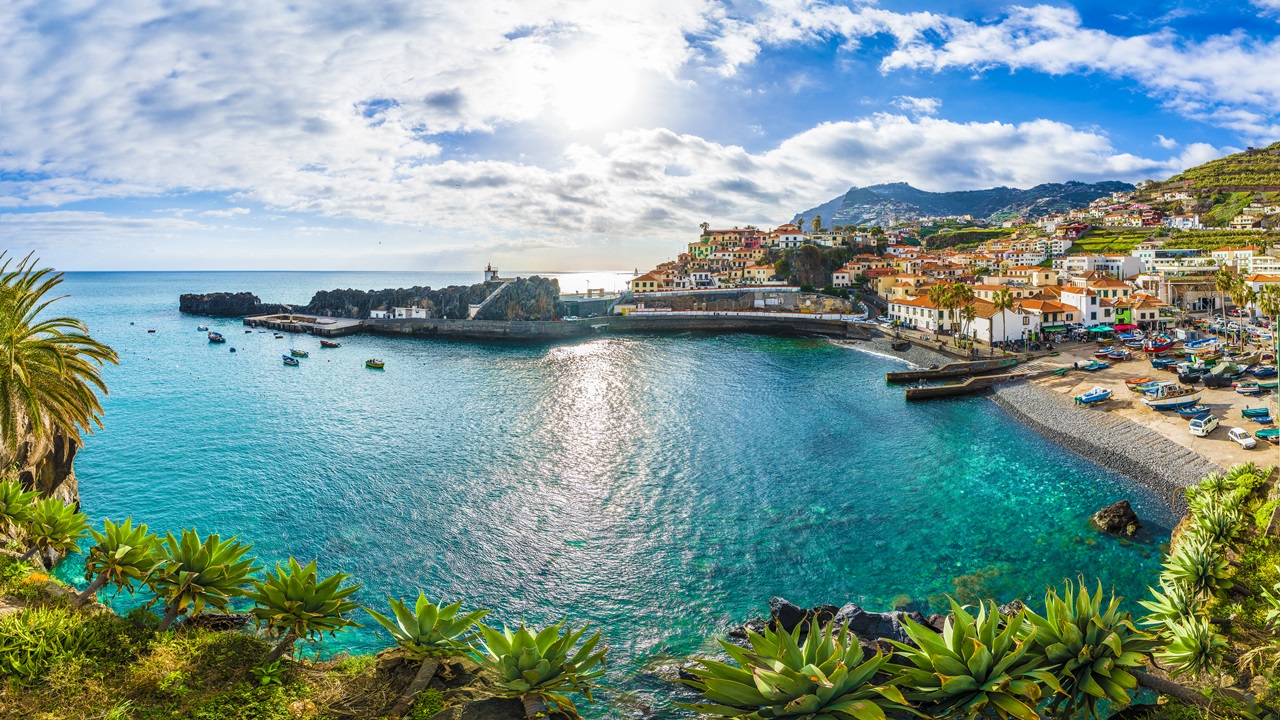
1116 443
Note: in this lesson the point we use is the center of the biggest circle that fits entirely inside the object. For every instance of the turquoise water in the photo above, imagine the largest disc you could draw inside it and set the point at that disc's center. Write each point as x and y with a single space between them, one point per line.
662 488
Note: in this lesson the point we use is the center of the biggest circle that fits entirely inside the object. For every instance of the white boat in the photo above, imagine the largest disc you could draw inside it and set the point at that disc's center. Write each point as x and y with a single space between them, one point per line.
1097 394
1172 396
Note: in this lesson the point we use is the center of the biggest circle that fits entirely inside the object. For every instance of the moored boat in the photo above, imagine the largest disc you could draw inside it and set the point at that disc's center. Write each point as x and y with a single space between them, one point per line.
1190 411
298 353
374 363
1097 394
216 338
202 328
1096 365
1172 396
330 344
290 361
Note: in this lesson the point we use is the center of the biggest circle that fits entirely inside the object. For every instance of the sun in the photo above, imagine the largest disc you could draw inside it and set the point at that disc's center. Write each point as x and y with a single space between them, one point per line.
594 89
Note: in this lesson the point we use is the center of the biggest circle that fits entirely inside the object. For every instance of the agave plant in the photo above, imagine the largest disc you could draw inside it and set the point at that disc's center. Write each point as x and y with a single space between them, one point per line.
1217 523
826 676
974 668
537 667
429 633
192 574
54 527
1089 650
1198 565
123 554
1191 646
294 603
15 506
1171 602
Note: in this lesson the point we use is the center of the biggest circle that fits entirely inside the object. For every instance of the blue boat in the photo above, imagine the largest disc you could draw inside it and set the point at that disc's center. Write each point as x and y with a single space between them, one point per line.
1263 419
216 338
1163 363
1192 410
1097 394
1262 371
1096 365
290 361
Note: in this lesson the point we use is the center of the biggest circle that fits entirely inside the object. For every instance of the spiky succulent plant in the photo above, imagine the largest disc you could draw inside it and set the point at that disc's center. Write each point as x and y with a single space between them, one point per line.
293 602
193 574
826 676
1089 650
429 633
1198 565
15 505
978 666
54 526
1217 522
538 668
1191 646
122 555
1171 601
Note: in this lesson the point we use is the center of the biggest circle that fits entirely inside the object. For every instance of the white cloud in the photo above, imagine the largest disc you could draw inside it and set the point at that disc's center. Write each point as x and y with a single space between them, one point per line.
1166 143
229 212
918 105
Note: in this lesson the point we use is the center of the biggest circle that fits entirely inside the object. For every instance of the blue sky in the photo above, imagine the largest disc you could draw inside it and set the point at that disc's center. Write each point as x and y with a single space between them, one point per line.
561 135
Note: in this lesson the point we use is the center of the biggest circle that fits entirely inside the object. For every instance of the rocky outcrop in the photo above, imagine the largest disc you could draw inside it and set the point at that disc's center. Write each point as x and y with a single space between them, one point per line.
532 298
1117 519
46 467
870 627
223 304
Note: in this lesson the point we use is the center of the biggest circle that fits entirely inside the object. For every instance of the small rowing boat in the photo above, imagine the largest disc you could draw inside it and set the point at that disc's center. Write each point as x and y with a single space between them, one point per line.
216 338
1120 354
374 364
290 361
298 353
1269 434
1131 382
1096 365
1190 411
329 344
1254 412
1248 388
1103 353
1163 363
202 328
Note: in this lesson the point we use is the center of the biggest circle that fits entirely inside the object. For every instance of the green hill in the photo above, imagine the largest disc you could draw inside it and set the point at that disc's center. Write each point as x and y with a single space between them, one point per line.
1256 168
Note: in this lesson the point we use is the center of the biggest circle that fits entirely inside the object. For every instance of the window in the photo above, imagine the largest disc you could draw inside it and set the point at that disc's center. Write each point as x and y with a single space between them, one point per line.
1093 316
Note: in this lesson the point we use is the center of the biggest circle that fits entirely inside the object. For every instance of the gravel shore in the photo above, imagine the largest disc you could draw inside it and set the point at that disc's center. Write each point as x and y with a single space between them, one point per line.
916 355
1113 442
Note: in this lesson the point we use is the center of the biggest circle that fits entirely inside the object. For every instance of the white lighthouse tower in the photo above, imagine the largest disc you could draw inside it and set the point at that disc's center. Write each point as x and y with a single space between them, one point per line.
490 273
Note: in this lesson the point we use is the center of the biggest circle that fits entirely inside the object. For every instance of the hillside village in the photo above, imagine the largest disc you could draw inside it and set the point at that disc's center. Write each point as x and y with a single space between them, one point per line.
1141 257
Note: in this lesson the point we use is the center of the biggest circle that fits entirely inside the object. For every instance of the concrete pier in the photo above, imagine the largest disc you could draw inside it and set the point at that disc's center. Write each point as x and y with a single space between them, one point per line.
322 326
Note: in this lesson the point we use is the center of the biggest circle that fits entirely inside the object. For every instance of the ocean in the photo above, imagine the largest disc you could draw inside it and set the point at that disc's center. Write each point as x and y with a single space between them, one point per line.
661 488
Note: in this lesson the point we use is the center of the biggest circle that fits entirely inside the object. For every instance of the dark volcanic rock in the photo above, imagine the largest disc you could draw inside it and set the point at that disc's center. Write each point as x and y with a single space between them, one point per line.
755 625
1012 608
876 626
1117 519
219 623
785 614
224 304
936 622
486 709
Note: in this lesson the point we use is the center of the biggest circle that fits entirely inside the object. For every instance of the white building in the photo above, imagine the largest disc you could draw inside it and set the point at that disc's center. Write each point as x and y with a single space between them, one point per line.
990 326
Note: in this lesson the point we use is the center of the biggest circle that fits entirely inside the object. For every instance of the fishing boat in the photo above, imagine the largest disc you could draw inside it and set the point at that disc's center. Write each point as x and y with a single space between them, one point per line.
1163 363
1267 385
1262 371
1267 358
1254 412
151 331
290 361
1096 365
1153 347
298 353
1262 419
375 364
1248 388
1151 386
1268 434
246 332
1190 411
1172 396
1135 344
202 328
279 336
330 344
1103 353
1120 354
216 338
1097 394
1136 381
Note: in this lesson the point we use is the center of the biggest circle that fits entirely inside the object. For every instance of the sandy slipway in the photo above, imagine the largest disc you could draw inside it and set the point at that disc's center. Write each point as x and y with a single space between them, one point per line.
1111 441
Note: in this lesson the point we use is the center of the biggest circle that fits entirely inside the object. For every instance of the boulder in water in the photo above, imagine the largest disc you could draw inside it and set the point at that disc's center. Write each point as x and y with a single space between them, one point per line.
876 626
785 614
1118 519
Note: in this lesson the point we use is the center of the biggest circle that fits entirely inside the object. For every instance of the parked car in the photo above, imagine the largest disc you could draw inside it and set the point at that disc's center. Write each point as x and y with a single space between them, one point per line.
1203 424
1243 437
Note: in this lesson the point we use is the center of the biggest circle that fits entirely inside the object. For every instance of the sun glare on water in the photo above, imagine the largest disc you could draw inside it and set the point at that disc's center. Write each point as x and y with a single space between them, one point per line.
594 89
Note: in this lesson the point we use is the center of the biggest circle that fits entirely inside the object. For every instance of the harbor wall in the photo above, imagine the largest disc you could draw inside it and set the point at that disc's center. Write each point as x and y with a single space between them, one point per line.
521 330
758 323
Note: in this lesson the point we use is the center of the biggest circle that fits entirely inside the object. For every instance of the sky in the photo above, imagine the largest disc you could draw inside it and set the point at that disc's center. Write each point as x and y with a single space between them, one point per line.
546 135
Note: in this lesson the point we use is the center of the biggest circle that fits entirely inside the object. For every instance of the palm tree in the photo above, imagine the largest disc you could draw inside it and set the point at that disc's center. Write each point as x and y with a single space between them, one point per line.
960 295
193 574
49 367
1002 300
1224 280
429 633
294 603
54 528
817 223
704 226
1269 305
1243 295
939 296
123 554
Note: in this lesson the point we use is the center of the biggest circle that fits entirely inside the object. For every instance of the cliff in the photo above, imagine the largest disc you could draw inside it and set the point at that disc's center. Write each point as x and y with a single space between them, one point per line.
47 467
533 298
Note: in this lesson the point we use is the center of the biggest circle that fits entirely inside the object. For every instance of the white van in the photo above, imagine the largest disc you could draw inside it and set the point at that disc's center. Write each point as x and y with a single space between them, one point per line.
1203 424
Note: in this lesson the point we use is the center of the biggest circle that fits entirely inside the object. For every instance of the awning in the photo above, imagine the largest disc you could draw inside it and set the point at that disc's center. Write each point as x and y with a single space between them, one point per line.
1099 329
1054 328
1126 327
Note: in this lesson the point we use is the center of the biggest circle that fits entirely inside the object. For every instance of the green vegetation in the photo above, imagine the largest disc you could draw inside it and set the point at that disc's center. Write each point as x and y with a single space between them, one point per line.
293 603
1102 241
538 669
1247 169
193 574
122 556
946 238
